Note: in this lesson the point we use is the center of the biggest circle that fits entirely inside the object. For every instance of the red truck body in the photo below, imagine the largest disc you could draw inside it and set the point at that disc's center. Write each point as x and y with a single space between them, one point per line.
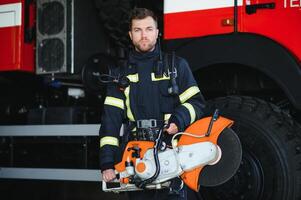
245 56
280 21
17 54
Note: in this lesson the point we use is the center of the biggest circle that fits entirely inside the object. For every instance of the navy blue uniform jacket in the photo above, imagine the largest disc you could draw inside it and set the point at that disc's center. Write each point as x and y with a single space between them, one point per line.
147 97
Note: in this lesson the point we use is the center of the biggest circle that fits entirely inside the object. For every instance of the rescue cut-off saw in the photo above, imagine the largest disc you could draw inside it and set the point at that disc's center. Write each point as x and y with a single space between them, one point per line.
208 153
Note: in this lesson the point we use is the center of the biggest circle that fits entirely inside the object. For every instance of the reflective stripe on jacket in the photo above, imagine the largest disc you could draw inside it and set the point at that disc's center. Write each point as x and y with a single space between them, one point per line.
147 97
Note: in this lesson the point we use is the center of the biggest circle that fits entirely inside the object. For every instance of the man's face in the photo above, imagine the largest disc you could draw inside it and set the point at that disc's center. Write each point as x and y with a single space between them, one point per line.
144 34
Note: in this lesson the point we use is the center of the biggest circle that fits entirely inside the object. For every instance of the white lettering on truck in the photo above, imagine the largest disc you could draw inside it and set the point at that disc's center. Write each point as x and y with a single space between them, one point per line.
292 3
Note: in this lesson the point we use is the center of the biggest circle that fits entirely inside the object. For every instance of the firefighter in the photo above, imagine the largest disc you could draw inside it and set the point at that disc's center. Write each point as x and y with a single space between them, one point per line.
161 89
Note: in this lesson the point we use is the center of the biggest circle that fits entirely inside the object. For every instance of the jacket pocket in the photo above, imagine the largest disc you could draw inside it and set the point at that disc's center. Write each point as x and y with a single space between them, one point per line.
167 101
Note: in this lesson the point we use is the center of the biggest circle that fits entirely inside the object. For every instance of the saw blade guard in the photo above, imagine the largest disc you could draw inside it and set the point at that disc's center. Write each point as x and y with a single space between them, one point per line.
218 135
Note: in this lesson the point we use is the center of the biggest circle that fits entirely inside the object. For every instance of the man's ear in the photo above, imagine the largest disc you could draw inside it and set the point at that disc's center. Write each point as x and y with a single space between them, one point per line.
130 34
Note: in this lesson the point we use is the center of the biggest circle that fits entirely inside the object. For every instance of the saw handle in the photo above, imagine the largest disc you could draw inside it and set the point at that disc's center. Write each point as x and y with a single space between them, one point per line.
213 119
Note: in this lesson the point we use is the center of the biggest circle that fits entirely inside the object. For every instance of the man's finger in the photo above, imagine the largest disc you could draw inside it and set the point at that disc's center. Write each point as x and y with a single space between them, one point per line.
172 129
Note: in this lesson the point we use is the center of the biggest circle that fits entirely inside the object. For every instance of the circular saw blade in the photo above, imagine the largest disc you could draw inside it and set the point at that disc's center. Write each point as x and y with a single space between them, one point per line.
226 167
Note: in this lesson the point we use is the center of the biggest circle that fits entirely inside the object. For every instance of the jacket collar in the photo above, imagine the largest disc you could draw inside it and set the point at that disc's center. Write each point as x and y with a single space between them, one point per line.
135 55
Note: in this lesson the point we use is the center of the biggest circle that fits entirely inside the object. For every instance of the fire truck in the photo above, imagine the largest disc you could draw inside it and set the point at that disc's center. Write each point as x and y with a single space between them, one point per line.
245 56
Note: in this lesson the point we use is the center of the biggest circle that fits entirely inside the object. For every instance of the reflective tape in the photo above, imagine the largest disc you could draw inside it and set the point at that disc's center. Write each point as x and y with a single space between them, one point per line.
191 111
159 79
134 78
10 14
188 93
112 101
166 117
175 6
108 140
127 103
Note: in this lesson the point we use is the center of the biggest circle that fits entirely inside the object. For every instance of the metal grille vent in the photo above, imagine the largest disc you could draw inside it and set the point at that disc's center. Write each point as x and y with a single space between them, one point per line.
51 18
53 36
51 55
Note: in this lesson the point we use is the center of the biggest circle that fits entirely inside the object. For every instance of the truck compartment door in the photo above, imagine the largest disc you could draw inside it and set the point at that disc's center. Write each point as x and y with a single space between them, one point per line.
196 18
278 20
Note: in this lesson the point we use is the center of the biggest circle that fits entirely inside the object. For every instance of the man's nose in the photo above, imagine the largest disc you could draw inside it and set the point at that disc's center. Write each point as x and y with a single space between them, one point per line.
143 34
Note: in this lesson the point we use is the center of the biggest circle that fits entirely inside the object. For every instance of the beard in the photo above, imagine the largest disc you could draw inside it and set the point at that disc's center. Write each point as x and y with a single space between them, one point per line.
144 47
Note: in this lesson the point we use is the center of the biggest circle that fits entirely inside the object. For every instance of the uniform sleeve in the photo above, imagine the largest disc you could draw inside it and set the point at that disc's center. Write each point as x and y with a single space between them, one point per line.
191 102
111 121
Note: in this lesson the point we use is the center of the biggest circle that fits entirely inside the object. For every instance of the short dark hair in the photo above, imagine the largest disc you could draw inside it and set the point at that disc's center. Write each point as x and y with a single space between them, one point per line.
141 13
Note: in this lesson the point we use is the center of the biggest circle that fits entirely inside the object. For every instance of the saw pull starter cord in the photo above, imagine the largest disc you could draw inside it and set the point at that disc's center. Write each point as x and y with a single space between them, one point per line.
174 141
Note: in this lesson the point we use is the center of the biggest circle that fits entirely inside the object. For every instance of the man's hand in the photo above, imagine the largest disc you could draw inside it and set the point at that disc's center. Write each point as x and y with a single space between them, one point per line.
172 129
108 175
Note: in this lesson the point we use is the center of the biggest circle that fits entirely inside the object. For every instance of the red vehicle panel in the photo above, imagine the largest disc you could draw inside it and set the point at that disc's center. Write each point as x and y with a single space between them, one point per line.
186 19
197 23
278 20
16 54
281 23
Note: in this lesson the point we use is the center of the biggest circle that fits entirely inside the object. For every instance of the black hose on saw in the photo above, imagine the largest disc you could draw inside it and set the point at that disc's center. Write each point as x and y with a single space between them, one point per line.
142 184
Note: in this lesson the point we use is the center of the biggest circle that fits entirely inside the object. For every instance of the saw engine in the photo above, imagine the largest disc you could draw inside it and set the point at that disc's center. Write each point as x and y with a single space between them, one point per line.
208 153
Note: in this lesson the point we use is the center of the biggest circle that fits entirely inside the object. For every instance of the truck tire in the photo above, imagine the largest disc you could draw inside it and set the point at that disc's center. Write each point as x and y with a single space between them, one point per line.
271 160
114 16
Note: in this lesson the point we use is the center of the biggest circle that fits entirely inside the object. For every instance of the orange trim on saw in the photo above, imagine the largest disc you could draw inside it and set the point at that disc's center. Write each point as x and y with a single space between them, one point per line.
140 167
191 178
127 155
